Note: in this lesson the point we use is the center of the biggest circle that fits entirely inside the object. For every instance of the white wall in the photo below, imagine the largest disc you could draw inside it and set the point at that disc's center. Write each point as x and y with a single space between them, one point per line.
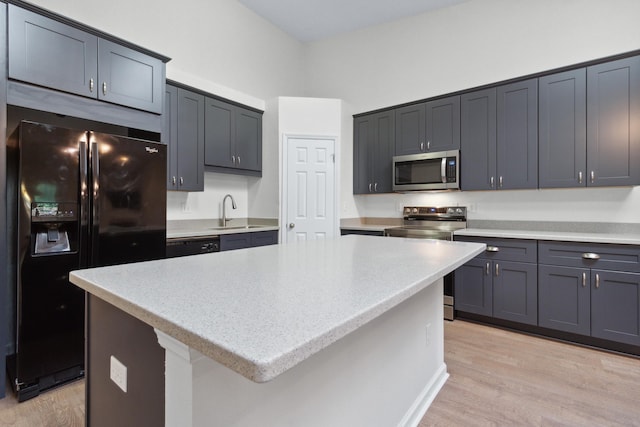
219 46
464 46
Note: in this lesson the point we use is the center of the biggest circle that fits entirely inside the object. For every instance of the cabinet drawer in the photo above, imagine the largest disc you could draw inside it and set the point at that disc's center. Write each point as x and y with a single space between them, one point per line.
506 249
606 257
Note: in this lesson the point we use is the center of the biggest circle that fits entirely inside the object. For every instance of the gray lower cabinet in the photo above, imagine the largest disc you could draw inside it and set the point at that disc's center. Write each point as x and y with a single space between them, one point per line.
613 122
233 137
502 282
591 289
49 53
373 151
428 127
184 135
230 242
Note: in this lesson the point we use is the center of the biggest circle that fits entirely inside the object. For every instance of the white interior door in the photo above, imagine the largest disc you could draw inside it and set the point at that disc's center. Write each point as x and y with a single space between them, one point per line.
310 192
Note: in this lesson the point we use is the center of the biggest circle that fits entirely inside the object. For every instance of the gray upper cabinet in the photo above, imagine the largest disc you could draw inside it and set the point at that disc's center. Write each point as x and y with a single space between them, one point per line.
478 140
233 137
374 148
128 77
613 123
562 133
428 127
499 137
517 143
52 54
184 134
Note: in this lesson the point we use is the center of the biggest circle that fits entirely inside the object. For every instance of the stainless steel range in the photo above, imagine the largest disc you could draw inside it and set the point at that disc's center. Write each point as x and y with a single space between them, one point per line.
433 223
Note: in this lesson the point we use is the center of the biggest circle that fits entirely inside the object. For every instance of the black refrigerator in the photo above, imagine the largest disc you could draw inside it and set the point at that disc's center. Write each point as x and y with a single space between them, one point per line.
83 199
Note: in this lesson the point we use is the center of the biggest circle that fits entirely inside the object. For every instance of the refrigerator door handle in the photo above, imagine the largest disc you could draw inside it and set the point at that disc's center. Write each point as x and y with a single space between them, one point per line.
84 201
95 197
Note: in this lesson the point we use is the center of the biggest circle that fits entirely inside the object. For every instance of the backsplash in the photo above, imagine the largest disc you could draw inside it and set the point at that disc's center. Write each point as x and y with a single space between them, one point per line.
609 204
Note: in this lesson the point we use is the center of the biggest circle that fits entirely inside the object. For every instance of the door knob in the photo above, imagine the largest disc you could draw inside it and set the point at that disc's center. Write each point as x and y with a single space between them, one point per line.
292 225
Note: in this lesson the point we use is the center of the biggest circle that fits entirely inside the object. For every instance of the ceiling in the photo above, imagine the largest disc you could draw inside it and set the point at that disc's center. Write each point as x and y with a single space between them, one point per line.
312 20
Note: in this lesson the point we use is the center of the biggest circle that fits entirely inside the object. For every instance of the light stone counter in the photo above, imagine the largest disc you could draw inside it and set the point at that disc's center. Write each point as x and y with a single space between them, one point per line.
212 227
626 234
261 311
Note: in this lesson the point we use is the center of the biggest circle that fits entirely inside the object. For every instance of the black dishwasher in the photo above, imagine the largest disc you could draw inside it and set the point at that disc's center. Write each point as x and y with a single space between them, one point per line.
184 246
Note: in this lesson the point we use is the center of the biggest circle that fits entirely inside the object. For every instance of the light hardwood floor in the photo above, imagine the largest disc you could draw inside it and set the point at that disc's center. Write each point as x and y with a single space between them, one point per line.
498 378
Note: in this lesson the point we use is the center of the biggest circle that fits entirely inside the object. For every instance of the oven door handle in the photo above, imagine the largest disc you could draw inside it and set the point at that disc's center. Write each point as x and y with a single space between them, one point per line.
443 170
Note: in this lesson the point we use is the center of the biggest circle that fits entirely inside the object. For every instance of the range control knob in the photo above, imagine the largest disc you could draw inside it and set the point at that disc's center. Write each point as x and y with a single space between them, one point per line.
415 210
459 210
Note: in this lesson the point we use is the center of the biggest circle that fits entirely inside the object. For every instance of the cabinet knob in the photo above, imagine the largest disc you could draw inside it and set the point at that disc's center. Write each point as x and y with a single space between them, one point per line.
104 88
292 225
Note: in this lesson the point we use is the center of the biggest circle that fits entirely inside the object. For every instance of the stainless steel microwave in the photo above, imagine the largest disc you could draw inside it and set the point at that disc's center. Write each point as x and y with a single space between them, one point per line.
427 171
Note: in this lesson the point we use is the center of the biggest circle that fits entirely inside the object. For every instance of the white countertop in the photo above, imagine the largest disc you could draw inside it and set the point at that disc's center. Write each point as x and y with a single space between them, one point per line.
566 236
261 311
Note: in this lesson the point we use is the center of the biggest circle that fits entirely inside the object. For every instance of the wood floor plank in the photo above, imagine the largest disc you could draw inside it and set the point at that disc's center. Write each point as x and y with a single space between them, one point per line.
497 378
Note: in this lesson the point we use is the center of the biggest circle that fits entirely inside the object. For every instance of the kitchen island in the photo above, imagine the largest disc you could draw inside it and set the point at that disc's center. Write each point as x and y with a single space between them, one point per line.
345 331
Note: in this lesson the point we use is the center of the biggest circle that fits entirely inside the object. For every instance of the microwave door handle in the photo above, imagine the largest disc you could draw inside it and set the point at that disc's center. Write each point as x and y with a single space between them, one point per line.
443 170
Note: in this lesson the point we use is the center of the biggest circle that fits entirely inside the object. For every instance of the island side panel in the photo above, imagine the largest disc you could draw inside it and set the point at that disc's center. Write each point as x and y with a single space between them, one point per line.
385 373
112 332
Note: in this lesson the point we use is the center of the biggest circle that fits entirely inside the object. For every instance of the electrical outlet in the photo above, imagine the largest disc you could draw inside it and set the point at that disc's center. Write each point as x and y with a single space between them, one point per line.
118 373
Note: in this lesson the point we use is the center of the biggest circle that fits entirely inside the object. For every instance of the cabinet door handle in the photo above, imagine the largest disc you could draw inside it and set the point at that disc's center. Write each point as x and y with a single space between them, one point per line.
428 145
104 88
238 159
497 269
181 181
233 159
580 177
500 181
491 182
584 280
375 187
369 187
173 180
422 146
593 177
91 85
493 249
597 280
488 268
590 256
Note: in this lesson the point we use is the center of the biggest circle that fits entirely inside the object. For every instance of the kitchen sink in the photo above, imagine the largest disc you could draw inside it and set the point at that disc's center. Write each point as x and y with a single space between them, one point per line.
237 227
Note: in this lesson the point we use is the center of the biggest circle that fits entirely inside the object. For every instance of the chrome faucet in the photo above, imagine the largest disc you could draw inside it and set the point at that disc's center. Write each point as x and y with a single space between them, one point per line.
224 210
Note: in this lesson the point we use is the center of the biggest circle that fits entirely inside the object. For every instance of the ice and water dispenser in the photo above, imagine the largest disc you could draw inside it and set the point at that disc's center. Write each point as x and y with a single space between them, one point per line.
54 228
